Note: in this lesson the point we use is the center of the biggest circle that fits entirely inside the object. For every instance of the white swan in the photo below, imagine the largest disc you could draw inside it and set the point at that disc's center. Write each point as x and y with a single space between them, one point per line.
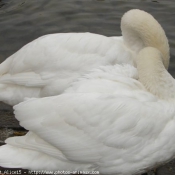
107 121
49 64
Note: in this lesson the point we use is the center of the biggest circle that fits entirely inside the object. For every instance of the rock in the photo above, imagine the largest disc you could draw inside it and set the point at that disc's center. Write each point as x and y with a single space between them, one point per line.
167 169
7 117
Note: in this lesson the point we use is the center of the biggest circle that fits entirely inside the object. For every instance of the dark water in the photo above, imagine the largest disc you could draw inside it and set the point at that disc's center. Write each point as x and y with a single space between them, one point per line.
22 21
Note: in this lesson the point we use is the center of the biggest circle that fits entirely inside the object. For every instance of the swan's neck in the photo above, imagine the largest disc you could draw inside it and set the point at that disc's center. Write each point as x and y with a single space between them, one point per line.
154 76
140 29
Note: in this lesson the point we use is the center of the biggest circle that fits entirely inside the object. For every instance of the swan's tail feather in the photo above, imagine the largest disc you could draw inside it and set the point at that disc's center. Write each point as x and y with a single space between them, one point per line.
12 94
31 152
32 142
14 88
10 157
14 157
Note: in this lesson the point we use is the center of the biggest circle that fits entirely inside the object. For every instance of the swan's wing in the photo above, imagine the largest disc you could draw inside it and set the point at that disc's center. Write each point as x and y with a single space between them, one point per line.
115 133
68 51
63 54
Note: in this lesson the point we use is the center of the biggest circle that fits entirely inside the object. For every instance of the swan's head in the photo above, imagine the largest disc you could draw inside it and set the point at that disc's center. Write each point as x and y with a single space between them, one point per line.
140 29
153 75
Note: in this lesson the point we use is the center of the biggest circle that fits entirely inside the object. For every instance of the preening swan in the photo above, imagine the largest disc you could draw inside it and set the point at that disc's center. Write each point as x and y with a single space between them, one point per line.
49 64
108 121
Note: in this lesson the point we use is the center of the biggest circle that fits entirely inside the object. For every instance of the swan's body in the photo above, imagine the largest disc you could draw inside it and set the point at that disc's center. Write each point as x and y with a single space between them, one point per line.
107 121
48 65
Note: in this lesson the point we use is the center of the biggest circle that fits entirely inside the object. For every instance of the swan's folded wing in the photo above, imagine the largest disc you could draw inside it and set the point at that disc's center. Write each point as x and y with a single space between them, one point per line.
67 52
100 129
